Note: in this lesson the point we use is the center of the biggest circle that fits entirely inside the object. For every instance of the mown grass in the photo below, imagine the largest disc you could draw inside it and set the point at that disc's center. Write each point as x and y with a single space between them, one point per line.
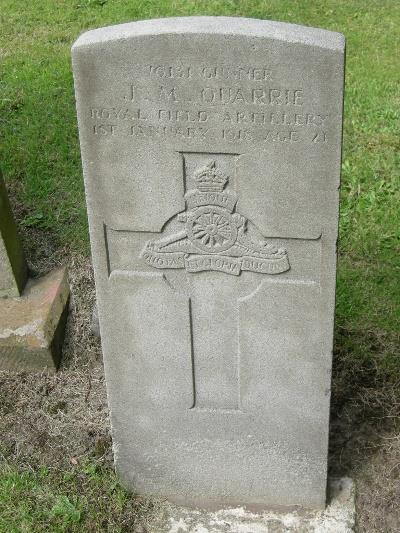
40 159
39 134
86 498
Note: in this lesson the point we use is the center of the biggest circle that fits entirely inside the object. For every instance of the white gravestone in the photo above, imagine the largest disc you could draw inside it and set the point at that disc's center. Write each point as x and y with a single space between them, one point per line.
211 153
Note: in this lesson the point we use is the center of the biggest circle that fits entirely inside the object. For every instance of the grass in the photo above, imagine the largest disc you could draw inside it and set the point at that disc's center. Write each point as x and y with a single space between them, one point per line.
28 497
39 156
40 148
81 498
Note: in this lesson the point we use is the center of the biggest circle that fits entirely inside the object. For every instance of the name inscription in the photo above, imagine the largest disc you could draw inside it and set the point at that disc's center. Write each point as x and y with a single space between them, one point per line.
189 102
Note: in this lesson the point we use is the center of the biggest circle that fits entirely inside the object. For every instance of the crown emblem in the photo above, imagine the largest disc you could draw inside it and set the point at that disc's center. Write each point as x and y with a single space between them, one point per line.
214 236
210 179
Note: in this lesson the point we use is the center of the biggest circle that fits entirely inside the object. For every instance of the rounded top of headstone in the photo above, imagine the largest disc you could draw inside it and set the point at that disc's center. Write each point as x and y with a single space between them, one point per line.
283 31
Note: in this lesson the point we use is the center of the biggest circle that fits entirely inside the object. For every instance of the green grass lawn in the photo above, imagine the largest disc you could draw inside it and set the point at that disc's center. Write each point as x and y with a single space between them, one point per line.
41 162
42 501
87 499
40 152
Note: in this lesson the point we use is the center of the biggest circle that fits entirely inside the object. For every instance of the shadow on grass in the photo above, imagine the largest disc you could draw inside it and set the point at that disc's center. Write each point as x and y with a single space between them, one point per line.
365 404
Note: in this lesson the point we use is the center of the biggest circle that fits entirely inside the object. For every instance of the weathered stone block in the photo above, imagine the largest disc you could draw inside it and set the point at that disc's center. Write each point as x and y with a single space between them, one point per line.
211 152
32 326
13 269
338 517
94 324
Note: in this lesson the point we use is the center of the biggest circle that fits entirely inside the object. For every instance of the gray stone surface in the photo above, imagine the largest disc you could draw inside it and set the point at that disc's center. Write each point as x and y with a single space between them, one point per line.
338 517
32 326
95 324
211 152
13 269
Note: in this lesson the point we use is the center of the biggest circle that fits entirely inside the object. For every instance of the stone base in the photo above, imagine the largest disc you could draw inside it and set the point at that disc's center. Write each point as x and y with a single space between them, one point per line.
338 517
32 326
95 325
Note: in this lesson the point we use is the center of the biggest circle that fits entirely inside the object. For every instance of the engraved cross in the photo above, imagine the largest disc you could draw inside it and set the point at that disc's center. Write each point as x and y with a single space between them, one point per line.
214 256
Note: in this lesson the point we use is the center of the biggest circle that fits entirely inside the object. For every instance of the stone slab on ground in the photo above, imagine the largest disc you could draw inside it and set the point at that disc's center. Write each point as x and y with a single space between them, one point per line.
13 268
338 517
211 151
32 326
95 324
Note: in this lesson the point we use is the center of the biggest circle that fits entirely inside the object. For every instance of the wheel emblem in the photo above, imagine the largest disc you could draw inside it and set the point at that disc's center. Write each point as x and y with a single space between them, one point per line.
211 229
215 236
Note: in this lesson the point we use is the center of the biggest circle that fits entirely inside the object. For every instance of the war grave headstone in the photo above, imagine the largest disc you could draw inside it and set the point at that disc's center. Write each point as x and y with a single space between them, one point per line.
13 268
211 151
33 312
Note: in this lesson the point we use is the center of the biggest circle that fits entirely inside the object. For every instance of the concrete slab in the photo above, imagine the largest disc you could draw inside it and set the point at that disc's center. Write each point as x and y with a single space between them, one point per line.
338 517
95 324
32 326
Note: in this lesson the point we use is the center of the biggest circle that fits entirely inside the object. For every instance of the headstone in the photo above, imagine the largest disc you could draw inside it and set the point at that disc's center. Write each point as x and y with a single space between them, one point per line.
33 312
13 269
211 152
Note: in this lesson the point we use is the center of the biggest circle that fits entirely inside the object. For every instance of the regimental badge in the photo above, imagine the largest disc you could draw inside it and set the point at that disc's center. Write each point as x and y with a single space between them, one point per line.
214 236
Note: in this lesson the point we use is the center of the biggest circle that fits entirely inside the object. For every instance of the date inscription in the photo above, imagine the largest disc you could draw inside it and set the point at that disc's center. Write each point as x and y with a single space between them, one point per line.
219 103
